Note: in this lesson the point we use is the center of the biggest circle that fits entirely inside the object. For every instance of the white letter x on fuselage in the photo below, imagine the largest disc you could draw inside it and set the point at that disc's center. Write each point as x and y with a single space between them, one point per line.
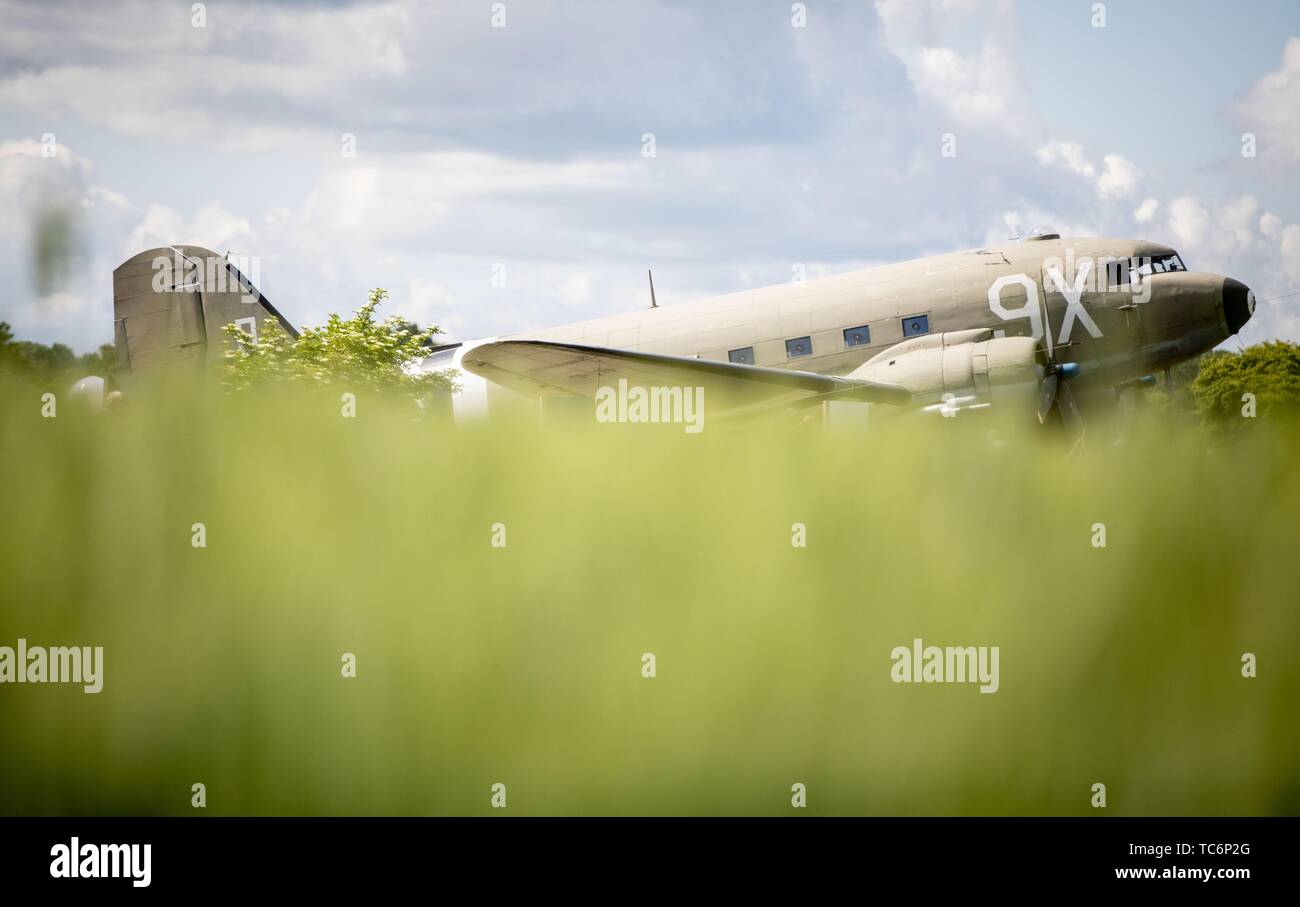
1073 304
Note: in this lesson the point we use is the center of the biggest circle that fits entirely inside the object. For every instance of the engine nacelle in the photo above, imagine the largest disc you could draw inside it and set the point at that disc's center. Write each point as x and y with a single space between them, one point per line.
971 366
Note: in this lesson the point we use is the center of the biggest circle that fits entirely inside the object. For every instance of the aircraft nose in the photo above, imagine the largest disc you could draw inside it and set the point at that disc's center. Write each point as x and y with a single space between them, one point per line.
1238 304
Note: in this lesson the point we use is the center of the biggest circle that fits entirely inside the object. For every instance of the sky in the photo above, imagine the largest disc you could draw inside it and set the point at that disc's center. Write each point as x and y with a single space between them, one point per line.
501 166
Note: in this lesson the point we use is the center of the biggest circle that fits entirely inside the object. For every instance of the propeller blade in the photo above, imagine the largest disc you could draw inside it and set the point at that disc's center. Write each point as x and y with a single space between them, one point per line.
1048 397
1070 412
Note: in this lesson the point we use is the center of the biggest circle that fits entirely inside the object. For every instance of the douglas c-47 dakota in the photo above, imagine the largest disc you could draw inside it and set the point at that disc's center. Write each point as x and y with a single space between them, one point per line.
1019 325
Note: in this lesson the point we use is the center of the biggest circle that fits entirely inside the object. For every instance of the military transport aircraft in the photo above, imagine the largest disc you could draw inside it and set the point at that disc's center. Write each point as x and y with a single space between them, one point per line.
1008 325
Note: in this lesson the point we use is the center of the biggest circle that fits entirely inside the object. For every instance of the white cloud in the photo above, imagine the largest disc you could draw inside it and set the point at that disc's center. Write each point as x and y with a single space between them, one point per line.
128 56
53 309
1235 224
1230 238
982 86
212 227
1146 211
28 176
1068 155
1189 221
1271 109
102 195
1117 177
1291 251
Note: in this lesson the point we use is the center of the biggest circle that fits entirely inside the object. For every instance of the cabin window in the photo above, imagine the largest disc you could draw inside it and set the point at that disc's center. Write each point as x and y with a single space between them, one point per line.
916 325
799 346
859 336
742 356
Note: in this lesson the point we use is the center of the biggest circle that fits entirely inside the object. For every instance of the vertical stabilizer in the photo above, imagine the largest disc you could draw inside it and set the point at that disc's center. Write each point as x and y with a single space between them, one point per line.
171 306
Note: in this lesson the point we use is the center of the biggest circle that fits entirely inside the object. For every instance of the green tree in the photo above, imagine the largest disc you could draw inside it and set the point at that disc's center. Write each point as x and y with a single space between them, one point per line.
360 353
1270 371
53 366
102 362
426 342
1172 393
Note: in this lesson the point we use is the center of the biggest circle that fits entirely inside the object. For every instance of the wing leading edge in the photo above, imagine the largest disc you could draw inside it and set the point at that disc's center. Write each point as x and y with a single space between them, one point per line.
538 368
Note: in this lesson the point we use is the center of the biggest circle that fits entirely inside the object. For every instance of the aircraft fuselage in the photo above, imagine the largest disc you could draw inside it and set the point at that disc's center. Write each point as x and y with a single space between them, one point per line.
1118 308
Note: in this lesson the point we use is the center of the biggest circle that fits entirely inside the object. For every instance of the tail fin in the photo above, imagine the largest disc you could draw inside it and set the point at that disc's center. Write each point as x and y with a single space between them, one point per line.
171 306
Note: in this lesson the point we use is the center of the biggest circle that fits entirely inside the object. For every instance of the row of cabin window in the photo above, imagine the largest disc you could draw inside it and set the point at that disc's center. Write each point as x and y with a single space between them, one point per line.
798 347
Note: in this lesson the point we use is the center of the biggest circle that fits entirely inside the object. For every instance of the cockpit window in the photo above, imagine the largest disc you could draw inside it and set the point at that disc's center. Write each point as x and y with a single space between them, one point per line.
1124 271
1159 264
1117 273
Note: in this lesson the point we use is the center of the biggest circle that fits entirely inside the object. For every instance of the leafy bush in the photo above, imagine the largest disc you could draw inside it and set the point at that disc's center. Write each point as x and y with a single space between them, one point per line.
360 353
1270 371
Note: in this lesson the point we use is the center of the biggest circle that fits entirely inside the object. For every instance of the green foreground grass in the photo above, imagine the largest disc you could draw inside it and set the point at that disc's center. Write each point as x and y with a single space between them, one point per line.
522 664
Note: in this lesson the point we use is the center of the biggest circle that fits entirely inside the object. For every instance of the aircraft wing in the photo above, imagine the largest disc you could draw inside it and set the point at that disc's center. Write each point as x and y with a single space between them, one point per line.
538 368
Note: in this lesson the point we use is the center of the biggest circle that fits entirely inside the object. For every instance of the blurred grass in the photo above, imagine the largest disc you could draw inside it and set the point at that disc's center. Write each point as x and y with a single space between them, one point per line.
522 665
